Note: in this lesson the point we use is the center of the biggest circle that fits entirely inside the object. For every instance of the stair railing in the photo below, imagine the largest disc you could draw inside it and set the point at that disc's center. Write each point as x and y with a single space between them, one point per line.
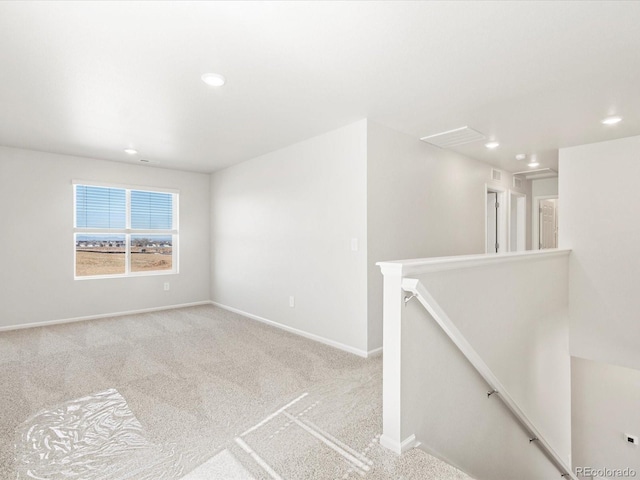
496 388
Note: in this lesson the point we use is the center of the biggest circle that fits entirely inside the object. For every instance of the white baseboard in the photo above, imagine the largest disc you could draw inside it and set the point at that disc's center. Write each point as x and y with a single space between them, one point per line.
302 333
48 323
399 447
375 352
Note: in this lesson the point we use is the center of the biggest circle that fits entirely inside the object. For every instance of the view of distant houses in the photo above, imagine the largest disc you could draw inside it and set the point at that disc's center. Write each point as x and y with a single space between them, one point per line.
121 243
94 243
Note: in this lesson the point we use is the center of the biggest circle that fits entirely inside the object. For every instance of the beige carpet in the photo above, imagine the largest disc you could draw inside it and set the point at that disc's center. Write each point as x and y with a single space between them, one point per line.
196 393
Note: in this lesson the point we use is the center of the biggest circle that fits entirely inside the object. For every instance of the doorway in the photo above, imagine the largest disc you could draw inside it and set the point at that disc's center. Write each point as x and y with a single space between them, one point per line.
548 219
545 222
517 222
496 220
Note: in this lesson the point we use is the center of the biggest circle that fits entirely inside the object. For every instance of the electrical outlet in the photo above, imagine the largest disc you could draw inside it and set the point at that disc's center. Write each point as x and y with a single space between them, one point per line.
292 301
632 439
167 286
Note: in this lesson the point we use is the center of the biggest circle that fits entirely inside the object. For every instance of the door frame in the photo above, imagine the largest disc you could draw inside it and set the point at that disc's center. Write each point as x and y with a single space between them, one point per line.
522 196
535 219
503 239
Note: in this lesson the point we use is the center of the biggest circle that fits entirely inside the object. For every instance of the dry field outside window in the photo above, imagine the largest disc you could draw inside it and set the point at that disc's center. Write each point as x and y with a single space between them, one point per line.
111 261
144 259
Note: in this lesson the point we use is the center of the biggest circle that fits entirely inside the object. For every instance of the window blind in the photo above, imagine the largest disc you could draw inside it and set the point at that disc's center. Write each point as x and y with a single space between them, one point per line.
99 207
151 210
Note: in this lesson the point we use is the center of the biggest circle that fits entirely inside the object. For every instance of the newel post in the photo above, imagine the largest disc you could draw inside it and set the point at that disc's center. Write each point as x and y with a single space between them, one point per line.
392 358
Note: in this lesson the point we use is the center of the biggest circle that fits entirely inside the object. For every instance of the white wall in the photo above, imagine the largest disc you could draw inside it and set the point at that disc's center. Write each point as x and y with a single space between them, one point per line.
37 243
282 225
521 333
422 201
544 187
599 221
604 409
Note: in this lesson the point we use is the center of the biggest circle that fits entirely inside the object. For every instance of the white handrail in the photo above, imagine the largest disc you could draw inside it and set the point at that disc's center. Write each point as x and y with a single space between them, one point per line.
418 290
418 266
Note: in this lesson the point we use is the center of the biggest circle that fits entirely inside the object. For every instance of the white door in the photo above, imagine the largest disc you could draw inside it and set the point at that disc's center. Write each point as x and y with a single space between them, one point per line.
492 222
548 217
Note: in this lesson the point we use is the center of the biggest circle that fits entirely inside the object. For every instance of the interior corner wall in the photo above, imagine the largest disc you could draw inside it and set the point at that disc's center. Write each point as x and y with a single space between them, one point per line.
599 223
422 201
283 225
37 275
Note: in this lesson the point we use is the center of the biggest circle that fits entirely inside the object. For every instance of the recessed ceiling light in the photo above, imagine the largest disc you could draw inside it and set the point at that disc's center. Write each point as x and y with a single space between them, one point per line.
213 79
521 156
611 120
533 164
492 145
130 151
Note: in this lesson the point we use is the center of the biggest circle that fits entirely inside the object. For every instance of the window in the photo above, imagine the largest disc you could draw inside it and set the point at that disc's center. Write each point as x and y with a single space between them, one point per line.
121 231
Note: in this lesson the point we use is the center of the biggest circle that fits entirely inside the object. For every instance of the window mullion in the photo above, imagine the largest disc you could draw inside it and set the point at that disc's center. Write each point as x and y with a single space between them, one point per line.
128 209
127 247
127 236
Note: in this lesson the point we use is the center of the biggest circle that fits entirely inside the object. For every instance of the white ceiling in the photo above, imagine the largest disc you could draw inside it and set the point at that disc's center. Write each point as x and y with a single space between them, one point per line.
91 79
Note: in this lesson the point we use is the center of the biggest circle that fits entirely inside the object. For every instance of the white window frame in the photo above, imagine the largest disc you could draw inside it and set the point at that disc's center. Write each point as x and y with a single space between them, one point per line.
128 232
